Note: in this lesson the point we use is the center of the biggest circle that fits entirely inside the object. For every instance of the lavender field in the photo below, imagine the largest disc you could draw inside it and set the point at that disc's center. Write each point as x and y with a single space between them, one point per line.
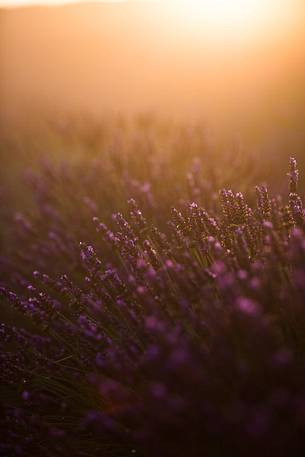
152 295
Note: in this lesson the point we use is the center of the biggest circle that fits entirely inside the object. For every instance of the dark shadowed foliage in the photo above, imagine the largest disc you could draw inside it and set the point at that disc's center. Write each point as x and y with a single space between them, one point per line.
147 313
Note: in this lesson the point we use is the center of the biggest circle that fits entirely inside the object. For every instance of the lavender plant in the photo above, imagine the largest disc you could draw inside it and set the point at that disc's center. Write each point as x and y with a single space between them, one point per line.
183 338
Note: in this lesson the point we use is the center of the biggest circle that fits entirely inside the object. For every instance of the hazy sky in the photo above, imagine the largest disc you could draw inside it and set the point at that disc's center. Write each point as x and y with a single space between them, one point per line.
35 2
27 2
229 61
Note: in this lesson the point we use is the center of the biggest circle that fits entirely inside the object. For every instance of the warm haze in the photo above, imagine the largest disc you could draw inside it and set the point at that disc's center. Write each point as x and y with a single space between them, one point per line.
227 62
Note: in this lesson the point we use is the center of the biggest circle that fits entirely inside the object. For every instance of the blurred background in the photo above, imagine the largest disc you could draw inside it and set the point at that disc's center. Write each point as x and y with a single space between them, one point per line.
166 58
171 78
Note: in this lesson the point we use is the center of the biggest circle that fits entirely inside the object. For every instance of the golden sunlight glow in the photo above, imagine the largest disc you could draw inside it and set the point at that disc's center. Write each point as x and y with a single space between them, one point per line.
231 18
217 19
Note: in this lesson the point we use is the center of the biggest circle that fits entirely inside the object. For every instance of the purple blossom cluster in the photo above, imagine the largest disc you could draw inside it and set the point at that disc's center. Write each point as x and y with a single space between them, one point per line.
164 337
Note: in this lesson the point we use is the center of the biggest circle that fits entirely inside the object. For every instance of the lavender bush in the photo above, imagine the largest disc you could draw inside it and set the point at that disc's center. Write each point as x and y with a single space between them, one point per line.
153 335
